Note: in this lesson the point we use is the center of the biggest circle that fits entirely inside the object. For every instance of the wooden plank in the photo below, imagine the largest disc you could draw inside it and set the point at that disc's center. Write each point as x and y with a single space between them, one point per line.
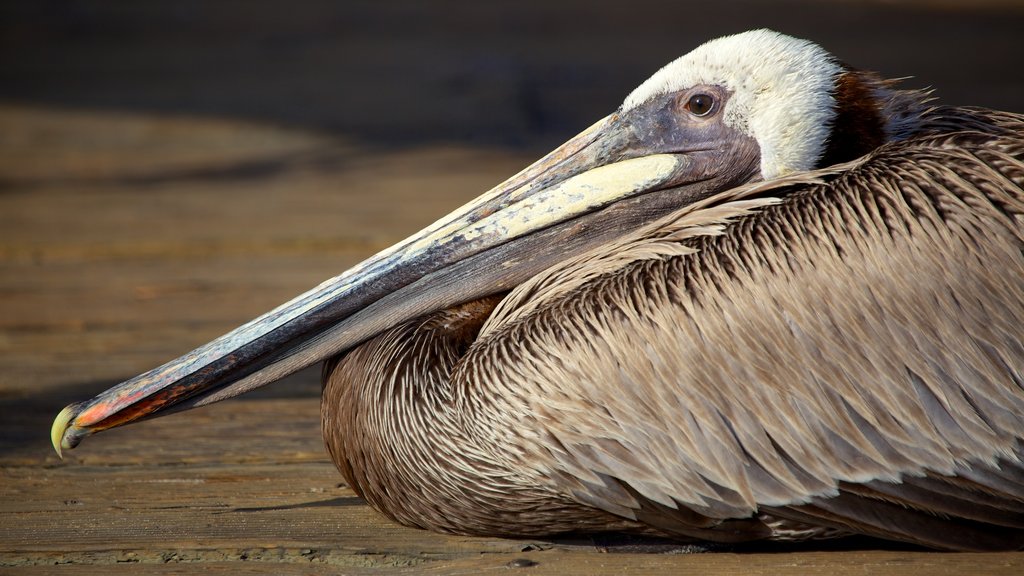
292 516
564 563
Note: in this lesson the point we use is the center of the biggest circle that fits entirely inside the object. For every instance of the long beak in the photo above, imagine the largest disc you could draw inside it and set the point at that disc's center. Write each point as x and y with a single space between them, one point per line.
589 189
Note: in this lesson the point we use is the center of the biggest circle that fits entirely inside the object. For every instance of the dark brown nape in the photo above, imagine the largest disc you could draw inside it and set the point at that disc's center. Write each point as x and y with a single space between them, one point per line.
859 126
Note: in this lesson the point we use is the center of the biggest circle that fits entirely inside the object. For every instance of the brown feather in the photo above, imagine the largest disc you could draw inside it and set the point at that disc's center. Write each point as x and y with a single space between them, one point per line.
835 352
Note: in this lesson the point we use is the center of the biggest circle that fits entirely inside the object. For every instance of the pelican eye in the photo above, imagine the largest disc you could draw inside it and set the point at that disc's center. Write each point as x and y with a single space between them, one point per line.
700 104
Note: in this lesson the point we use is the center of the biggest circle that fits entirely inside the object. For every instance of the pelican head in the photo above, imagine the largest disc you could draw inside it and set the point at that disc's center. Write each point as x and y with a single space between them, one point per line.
775 89
757 105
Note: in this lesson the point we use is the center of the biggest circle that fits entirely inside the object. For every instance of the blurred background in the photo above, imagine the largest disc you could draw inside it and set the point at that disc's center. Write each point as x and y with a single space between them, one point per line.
502 72
169 170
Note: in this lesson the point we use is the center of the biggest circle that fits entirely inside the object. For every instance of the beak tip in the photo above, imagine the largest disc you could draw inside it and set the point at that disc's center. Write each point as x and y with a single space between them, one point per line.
59 430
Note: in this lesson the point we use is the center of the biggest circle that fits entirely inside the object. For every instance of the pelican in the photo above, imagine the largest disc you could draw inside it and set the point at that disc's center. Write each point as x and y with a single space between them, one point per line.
771 297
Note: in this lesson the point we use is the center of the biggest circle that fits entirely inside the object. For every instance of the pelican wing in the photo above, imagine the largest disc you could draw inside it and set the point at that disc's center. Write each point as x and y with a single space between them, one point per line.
841 349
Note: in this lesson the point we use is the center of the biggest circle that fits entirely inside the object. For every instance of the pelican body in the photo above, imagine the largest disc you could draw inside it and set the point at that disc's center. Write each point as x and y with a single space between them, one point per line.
771 297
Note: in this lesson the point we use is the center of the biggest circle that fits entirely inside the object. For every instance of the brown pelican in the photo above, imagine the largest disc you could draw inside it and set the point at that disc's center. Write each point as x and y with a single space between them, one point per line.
770 297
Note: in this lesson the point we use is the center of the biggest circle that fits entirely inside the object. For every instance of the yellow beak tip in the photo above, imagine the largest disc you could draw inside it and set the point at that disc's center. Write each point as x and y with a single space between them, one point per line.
59 427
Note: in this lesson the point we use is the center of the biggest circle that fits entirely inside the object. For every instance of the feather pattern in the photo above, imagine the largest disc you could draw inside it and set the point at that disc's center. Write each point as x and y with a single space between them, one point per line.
864 330
830 353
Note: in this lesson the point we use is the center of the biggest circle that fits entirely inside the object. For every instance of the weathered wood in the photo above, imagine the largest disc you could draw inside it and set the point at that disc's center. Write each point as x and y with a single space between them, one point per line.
561 563
118 252
285 513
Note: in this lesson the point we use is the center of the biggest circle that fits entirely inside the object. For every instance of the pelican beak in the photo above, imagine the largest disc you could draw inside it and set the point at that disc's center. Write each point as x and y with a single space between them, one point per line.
604 181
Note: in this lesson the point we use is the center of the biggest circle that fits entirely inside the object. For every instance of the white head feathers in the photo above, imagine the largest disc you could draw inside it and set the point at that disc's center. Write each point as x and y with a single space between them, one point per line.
781 93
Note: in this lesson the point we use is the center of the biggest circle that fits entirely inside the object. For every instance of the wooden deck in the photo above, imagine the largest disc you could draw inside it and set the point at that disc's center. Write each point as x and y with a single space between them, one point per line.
127 239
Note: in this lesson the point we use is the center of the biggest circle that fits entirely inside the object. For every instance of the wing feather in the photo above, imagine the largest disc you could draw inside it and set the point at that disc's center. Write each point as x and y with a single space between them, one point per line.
840 348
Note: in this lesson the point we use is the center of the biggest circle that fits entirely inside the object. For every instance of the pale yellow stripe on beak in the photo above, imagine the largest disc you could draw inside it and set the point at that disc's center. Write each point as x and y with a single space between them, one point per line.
573 197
